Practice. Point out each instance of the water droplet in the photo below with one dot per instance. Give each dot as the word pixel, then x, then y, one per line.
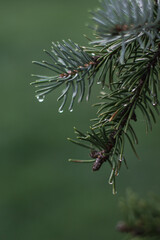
pixel 121 159
pixel 98 82
pixel 71 110
pixel 60 110
pixel 114 192
pixel 154 103
pixel 103 93
pixel 134 89
pixel 40 98
pixel 110 182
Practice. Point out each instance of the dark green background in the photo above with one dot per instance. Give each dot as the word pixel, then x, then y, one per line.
pixel 42 196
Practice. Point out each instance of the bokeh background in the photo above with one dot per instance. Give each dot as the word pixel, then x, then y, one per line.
pixel 42 196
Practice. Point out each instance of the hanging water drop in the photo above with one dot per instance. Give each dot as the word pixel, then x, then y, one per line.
pixel 98 83
pixel 121 158
pixel 110 182
pixel 60 110
pixel 154 103
pixel 71 110
pixel 114 192
pixel 40 98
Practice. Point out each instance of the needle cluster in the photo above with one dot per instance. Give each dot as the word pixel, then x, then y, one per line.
pixel 124 57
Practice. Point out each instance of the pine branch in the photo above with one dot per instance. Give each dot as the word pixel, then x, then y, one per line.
pixel 114 122
pixel 125 60
pixel 141 216
pixel 74 67
pixel 123 22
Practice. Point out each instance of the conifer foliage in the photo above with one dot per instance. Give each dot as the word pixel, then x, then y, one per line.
pixel 124 57
pixel 141 216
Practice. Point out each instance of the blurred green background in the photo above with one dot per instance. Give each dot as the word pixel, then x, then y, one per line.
pixel 42 196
